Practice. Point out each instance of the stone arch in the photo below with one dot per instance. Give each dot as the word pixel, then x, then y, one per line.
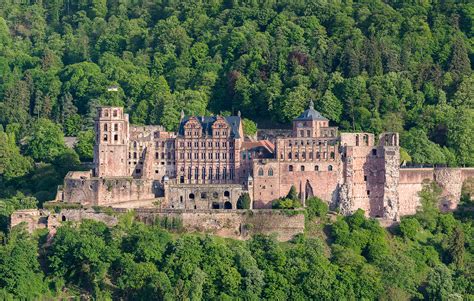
pixel 227 205
pixel 227 193
pixel 191 196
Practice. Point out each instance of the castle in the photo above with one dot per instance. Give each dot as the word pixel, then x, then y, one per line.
pixel 209 163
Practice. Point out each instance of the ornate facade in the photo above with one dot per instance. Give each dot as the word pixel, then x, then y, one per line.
pixel 208 164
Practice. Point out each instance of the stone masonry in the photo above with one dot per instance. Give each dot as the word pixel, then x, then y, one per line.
pixel 209 163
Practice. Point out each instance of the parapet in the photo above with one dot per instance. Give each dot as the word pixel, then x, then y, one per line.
pixel 357 139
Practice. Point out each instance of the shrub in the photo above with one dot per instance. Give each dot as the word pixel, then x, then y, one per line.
pixel 316 207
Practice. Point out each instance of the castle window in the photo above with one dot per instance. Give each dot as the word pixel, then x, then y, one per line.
pixel 115 113
pixel 210 173
pixel 105 137
pixel 217 156
pixel 157 156
pixel 311 155
pixel 181 155
pixel 303 155
pixel 330 167
pixel 260 172
pixel 301 133
pixel 115 127
pixel 203 156
pixel 296 155
pixel 162 155
pixel 134 144
pixel 231 156
pixel 290 168
pixel 224 173
pixel 105 127
pixel 316 168
pixel 231 173
pixel 196 156
pixel 332 155
pixel 365 178
pixel 169 155
pixel 203 195
pixel 308 133
pixel 374 152
pixel 318 155
pixel 196 173
pixel 139 171
pixel 368 192
pixel 115 137
pixel 196 144
pixel 189 144
pixel 218 175
pixel 203 173
pixel 281 156
pixel 366 139
pixel 189 156
pixel 106 113
pixel 302 167
pixel 289 155
pixel 226 193
pixel 270 172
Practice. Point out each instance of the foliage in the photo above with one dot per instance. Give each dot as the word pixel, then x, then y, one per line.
pixel 85 145
pixel 244 201
pixel 45 141
pixel 316 207
pixel 384 65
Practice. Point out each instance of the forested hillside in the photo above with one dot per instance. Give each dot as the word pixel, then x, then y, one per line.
pixel 374 66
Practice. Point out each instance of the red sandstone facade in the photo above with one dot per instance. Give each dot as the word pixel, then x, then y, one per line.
pixel 208 164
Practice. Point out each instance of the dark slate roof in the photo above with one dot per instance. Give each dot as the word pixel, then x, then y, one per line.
pixel 311 114
pixel 208 121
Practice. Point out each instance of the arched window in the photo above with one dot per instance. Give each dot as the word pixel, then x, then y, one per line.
pixel 105 127
pixel 270 172
pixel 290 168
pixel 115 113
pixel 302 167
pixel 289 155
pixel 226 193
pixel 191 196
pixel 316 168
pixel 330 167
pixel 105 137
pixel 260 172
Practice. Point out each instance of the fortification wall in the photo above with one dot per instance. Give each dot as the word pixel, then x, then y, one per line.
pixel 410 183
pixel 237 224
pixel 106 191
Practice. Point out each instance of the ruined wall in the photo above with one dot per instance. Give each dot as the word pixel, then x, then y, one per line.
pixel 33 219
pixel 106 191
pixel 237 224
pixel 449 179
pixel 202 196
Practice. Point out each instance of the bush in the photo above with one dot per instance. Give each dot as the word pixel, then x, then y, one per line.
pixel 316 207
pixel 285 203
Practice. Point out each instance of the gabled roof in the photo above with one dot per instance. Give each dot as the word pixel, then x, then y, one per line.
pixel 311 114
pixel 207 122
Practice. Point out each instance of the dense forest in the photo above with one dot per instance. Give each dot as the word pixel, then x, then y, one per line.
pixel 374 66
pixel 428 256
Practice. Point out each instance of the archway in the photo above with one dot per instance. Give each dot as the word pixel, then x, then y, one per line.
pixel 227 205
pixel 215 205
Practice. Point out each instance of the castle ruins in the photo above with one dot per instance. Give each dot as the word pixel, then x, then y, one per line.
pixel 209 163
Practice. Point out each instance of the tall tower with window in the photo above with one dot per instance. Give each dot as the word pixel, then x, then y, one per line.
pixel 111 142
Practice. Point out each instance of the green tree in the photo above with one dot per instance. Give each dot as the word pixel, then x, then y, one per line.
pixel 12 163
pixel 45 141
pixel 244 201
pixel 84 146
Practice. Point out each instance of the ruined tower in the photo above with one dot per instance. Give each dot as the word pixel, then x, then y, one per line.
pixel 111 142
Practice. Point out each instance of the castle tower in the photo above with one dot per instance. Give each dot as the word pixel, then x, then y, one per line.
pixel 111 142
pixel 309 123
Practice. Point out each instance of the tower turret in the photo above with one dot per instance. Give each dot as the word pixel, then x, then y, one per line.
pixel 111 142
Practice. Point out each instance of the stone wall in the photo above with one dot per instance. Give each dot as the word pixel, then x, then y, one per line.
pixel 237 224
pixel 202 196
